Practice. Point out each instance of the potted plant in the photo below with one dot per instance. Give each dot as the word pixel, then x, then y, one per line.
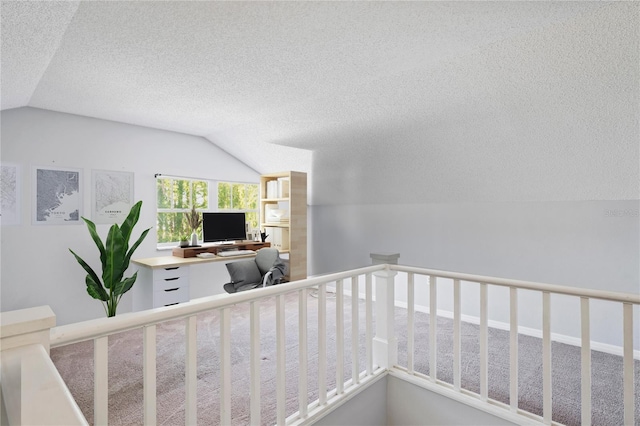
pixel 184 241
pixel 115 255
pixel 194 220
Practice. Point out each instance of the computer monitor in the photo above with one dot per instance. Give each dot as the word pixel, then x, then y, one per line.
pixel 219 226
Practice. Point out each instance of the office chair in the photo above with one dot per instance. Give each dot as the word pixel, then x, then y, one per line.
pixel 265 269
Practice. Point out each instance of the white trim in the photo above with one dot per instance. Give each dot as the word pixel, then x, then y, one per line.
pixel 490 406
pixel 527 331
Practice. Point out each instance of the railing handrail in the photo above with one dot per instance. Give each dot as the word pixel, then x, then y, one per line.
pixel 381 351
pixel 78 332
pixel 526 285
pixel 47 400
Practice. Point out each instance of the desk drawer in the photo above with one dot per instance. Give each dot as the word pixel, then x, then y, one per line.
pixel 170 282
pixel 168 273
pixel 170 296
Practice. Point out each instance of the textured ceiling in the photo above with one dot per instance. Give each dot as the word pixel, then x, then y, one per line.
pixel 381 102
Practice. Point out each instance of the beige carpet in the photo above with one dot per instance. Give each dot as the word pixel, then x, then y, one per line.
pixel 125 368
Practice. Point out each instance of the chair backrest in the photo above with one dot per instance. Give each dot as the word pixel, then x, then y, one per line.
pixel 266 258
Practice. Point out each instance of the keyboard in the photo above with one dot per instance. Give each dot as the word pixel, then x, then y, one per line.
pixel 229 253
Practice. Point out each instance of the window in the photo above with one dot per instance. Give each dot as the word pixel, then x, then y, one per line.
pixel 176 197
pixel 240 197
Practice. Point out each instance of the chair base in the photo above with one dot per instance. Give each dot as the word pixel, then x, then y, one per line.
pixel 229 287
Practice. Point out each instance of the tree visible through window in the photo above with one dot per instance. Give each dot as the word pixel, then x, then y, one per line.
pixel 176 196
pixel 240 197
pixel 175 199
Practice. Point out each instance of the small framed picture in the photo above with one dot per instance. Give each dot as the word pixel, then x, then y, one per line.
pixel 57 196
pixel 11 192
pixel 112 196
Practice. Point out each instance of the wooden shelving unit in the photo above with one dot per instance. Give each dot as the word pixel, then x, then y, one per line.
pixel 283 215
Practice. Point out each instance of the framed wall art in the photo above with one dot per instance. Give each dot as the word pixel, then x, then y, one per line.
pixel 57 196
pixel 10 194
pixel 111 196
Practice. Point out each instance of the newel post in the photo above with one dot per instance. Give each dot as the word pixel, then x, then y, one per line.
pixel 385 343
pixel 26 327
pixel 20 330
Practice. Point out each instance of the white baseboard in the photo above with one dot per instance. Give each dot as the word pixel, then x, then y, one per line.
pixel 527 331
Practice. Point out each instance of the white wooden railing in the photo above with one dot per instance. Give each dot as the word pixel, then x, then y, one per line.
pixel 439 279
pixel 381 351
pixel 99 330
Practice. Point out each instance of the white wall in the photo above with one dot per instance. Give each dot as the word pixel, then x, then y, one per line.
pixel 37 268
pixel 408 404
pixel 368 407
pixel 588 244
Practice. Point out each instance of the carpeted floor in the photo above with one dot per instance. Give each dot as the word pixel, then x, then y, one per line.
pixel 125 367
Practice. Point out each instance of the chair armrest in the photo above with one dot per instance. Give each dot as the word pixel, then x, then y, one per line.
pixel 265 280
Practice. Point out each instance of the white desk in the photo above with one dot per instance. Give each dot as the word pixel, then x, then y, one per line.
pixel 164 280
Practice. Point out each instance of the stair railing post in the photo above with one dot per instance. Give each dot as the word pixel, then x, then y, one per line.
pixel 385 343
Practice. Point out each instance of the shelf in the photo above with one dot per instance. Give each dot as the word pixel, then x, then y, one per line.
pixel 277 224
pixel 290 235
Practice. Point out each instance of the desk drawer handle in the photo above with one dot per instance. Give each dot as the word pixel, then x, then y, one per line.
pixel 172 279
pixel 171 304
pixel 173 289
pixel 171 269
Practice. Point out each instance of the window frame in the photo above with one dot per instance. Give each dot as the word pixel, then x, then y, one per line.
pixel 213 203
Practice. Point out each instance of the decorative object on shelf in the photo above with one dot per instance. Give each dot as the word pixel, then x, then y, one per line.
pixel 194 220
pixel 263 236
pixel 273 213
pixel 115 255
pixel 184 241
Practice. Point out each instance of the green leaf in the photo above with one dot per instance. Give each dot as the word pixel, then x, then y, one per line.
pixel 132 218
pixel 95 289
pixel 86 267
pixel 124 286
pixel 116 250
pixel 96 239
pixel 134 247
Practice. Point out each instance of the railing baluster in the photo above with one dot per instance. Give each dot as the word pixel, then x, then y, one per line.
pixel 585 390
pixel 546 357
pixel 484 342
pixel 339 338
pixel 410 322
pixel 280 361
pixel 457 336
pixel 254 319
pixel 149 374
pixel 355 327
pixel 369 323
pixel 322 344
pixel 225 366
pixel 513 349
pixel 191 377
pixel 303 401
pixel 386 342
pixel 101 380
pixel 433 319
pixel 627 349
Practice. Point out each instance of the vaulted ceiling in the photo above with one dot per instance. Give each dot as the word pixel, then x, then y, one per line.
pixel 380 102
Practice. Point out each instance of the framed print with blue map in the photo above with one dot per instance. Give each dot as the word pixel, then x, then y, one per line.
pixel 10 192
pixel 112 196
pixel 57 196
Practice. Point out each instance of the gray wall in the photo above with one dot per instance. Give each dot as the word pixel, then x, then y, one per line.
pixel 369 407
pixel 570 243
pixel 37 268
pixel 587 244
pixel 408 404
pixel 393 401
